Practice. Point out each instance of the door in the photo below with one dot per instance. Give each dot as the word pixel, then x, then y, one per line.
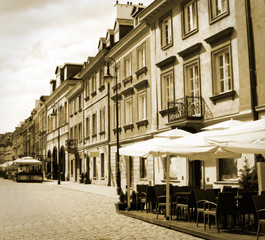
pixel 195 173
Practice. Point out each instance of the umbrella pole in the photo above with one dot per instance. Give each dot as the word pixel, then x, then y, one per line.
pixel 167 188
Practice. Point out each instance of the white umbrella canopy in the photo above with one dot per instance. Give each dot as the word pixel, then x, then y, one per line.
pixel 246 138
pixel 224 125
pixel 143 148
pixel 193 146
pixel 27 160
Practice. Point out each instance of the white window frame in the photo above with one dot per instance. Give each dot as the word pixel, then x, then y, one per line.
pixel 189 16
pixel 142 104
pixel 94 123
pixel 218 9
pixel 128 66
pixel 166 32
pixel 128 113
pixel 168 88
pixel 87 126
pixel 102 119
pixel 222 70
pixel 141 56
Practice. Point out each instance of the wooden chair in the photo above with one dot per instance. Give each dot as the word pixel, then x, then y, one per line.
pixel 259 203
pixel 226 205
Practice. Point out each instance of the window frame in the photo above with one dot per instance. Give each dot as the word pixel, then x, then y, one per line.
pixel 164 98
pixel 187 84
pixel 143 170
pixel 185 32
pixel 215 80
pixel 94 124
pixel 130 120
pixel 231 166
pixel 212 18
pixel 166 44
pixel 139 116
pixel 102 116
pixel 128 66
pixel 142 63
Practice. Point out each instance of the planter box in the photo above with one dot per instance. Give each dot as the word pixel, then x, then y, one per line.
pixel 120 206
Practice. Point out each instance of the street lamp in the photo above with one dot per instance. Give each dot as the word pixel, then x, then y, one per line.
pixel 108 79
pixel 56 114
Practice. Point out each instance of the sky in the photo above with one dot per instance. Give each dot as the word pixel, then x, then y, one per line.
pixel 36 36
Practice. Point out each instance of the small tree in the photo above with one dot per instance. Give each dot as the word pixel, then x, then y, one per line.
pixel 248 177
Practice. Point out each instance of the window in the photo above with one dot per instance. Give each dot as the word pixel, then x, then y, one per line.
pixel 119 115
pixel 88 127
pixel 142 106
pixel 192 79
pixel 79 102
pixel 94 167
pixel 227 169
pixel 218 8
pixel 128 66
pixel 222 71
pixel 189 17
pixel 65 112
pixel 94 124
pixel 172 168
pixel 75 132
pixel 102 119
pixel 168 93
pixel 143 173
pixel 80 132
pixel 166 32
pixel 101 78
pixel 102 157
pixel 128 111
pixel 141 57
pixel 87 90
pixel 94 81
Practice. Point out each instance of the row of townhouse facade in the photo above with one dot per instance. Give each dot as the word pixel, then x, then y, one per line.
pixel 178 64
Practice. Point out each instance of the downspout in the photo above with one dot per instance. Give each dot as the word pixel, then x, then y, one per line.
pixel 252 63
pixel 109 155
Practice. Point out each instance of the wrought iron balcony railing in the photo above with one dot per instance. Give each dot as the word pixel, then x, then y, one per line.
pixel 186 108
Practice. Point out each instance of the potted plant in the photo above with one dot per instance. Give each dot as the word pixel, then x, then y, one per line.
pixel 122 204
pixel 248 177
pixel 81 177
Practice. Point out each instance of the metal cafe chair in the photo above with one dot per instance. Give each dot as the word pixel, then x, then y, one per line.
pixel 259 203
pixel 200 197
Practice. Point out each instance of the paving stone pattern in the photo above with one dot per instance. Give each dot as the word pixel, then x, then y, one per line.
pixel 48 211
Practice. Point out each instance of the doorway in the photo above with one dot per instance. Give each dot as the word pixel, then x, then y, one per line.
pixel 195 173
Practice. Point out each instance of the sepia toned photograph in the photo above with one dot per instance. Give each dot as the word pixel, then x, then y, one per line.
pixel 141 119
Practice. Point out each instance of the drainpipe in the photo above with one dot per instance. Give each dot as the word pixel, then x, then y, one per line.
pixel 252 63
pixel 109 155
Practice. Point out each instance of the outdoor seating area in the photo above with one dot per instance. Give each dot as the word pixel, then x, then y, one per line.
pixel 211 210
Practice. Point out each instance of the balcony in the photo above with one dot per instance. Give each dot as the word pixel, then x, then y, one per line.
pixel 188 108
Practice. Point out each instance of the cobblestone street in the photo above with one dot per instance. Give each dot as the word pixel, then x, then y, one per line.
pixel 49 211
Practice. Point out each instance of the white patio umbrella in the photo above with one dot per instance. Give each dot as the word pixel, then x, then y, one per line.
pixel 245 138
pixel 224 125
pixel 27 160
pixel 194 147
pixel 143 148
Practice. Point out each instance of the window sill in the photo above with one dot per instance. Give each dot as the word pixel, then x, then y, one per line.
pixel 115 130
pixel 166 46
pixel 188 34
pixel 141 71
pixel 87 98
pixel 95 178
pixel 87 138
pixel 128 92
pixel 94 135
pixel 171 180
pixel 75 113
pixel 227 182
pixel 101 88
pixel 102 178
pixel 219 17
pixel 142 123
pixel 144 179
pixel 128 127
pixel 141 85
pixel 164 112
pixel 102 133
pixel 71 115
pixel 127 80
pixel 116 87
pixel 216 98
pixel 93 94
